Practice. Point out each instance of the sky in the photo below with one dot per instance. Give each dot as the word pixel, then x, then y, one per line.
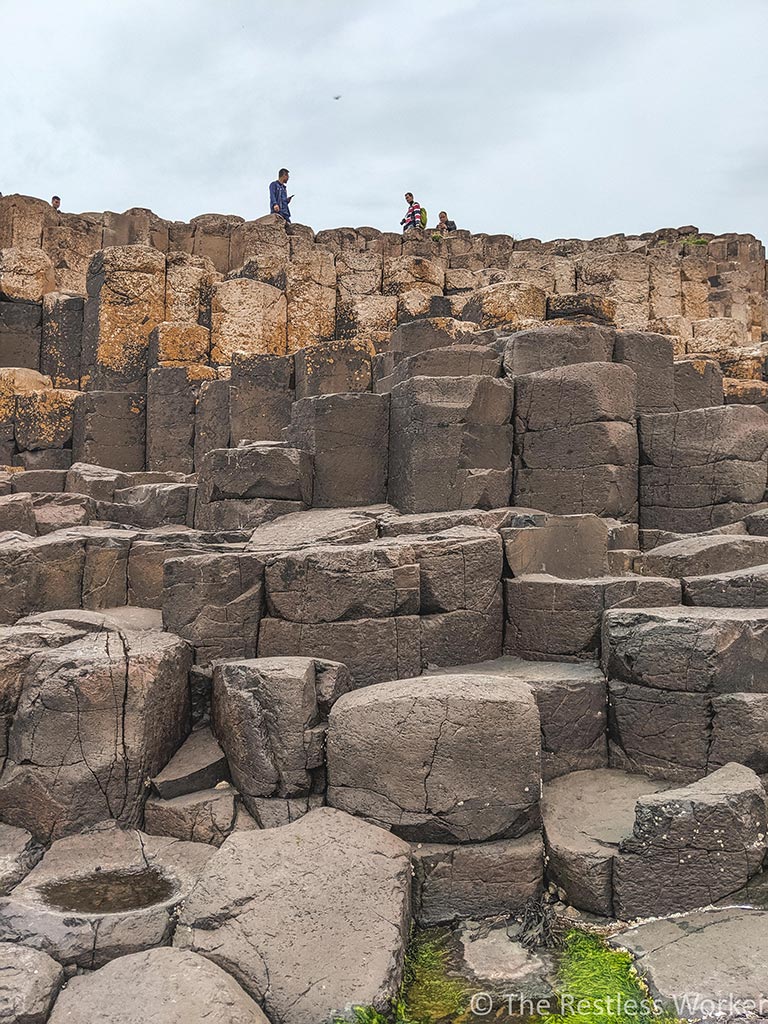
pixel 543 118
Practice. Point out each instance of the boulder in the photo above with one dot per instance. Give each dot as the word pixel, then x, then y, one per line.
pixel 62 339
pixel 328 583
pixel 373 650
pixel 743 588
pixel 475 879
pixel 450 444
pixel 199 763
pixel 176 986
pixel 331 940
pixel 270 716
pixel 204 816
pixel 211 418
pixel 663 733
pixel 693 650
pixel 701 556
pixel 575 440
pixel 572 703
pixel 549 618
pixel 698 383
pixel 261 393
pixel 21 334
pixel 31 982
pixel 692 847
pixel 651 356
pixel 246 316
pixel 214 601
pixel 95 717
pixel 317 526
pixel 102 894
pixel 549 346
pixel 586 815
pixel 569 547
pixel 26 274
pixel 739 730
pixel 109 429
pixel 333 367
pixel 702 468
pixel 347 436
pixel 429 757
pixel 17 514
pixel 508 304
pixel 126 301
pixel 265 470
pixel 39 574
pixel 18 855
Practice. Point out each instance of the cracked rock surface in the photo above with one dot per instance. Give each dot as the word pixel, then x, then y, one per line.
pixel 175 986
pixel 321 926
pixel 438 759
pixel 102 894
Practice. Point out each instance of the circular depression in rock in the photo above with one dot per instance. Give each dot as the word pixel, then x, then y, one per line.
pixel 109 892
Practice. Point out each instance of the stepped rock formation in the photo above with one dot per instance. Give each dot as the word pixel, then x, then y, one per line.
pixel 351 580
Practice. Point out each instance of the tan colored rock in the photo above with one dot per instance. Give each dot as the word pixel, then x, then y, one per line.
pixel 678 327
pixel 18 381
pixel 212 237
pixel 21 221
pixel 189 281
pixel 311 300
pixel 402 273
pixel 545 270
pixel 258 237
pixel 126 301
pixel 623 277
pixel 364 316
pixel 44 419
pixel 717 333
pixel 246 316
pixel 26 274
pixel 179 343
pixel 358 273
pixel 745 392
pixel 507 304
pixel 70 240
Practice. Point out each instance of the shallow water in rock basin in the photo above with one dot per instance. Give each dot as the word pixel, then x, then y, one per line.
pixel 109 892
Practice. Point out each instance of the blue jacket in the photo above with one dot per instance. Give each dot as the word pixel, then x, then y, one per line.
pixel 278 196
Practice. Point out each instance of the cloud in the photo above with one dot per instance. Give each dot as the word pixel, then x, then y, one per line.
pixel 553 118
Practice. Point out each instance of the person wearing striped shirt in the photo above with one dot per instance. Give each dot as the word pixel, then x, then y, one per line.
pixel 412 219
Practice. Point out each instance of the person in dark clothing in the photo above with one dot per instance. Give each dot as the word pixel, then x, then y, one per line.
pixel 412 219
pixel 278 196
pixel 443 224
pixel 55 202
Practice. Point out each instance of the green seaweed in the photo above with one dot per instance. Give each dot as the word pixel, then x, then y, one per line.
pixel 428 994
pixel 600 985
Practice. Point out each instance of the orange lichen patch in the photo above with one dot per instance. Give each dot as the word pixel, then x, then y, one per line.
pixel 179 343
pixel 18 381
pixel 246 316
pixel 198 372
pixel 746 392
pixel 44 418
pixel 131 303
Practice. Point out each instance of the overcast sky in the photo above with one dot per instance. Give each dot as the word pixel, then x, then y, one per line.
pixel 551 118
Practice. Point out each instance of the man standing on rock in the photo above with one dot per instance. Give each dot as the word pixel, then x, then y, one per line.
pixel 412 219
pixel 278 196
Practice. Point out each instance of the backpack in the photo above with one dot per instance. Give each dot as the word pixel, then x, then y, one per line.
pixel 423 216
